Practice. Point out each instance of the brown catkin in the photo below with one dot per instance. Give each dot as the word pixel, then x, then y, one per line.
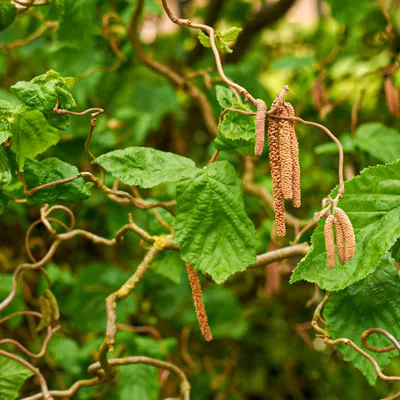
pixel 349 236
pixel 294 147
pixel 392 96
pixel 285 155
pixel 198 302
pixel 329 241
pixel 260 126
pixel 340 241
pixel 273 142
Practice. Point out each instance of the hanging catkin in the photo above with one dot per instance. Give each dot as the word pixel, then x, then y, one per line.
pixel 285 154
pixel 294 147
pixel 348 231
pixel 198 302
pixel 329 241
pixel 260 126
pixel 340 241
pixel 273 142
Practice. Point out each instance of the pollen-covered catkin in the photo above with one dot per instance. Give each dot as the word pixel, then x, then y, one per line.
pixel 273 142
pixel 329 241
pixel 260 126
pixel 294 147
pixel 349 236
pixel 340 241
pixel 285 154
pixel 198 302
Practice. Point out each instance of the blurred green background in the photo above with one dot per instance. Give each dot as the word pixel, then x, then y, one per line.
pixel 334 56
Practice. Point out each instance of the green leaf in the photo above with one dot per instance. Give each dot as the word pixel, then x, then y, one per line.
pixel 349 12
pixel 138 382
pixel 5 132
pixel 12 377
pixel 379 140
pixel 145 167
pixel 347 141
pixel 231 34
pixel 150 347
pixel 225 97
pixel 224 48
pixel 66 354
pixel 37 173
pixel 372 202
pixel 8 12
pixel 42 97
pixel 236 132
pixel 169 265
pixel 212 227
pixel 203 38
pixel 32 135
pixel 85 304
pixel 370 303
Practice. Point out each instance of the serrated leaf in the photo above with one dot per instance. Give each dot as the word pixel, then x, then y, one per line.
pixel 372 202
pixel 169 265
pixel 225 97
pixel 5 132
pixel 145 167
pixel 8 12
pixel 138 381
pixel 32 135
pixel 212 227
pixel 231 34
pixel 42 97
pixel 203 38
pixel 12 377
pixel 379 140
pixel 236 132
pixel 37 173
pixel 370 303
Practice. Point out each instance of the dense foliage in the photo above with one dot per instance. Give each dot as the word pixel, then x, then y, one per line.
pixel 121 109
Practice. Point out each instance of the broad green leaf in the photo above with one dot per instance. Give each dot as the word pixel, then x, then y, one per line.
pixel 347 141
pixel 37 173
pixel 349 12
pixel 225 97
pixel 169 265
pixel 150 347
pixel 76 27
pixel 203 38
pixel 4 164
pixel 6 108
pixel 66 354
pixel 236 132
pixel 379 140
pixel 5 132
pixel 32 135
pixel 370 303
pixel 145 167
pixel 372 202
pixel 85 303
pixel 42 97
pixel 231 34
pixel 212 228
pixel 8 12
pixel 12 377
pixel 138 381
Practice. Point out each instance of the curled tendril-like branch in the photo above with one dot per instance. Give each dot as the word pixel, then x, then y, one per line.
pixel 317 319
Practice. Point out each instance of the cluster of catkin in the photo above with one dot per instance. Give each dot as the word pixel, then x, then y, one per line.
pixel 284 161
pixel 345 238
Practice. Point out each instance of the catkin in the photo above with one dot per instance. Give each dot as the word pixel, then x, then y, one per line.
pixel 329 241
pixel 285 154
pixel 340 241
pixel 260 126
pixel 294 147
pixel 273 142
pixel 198 302
pixel 348 231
